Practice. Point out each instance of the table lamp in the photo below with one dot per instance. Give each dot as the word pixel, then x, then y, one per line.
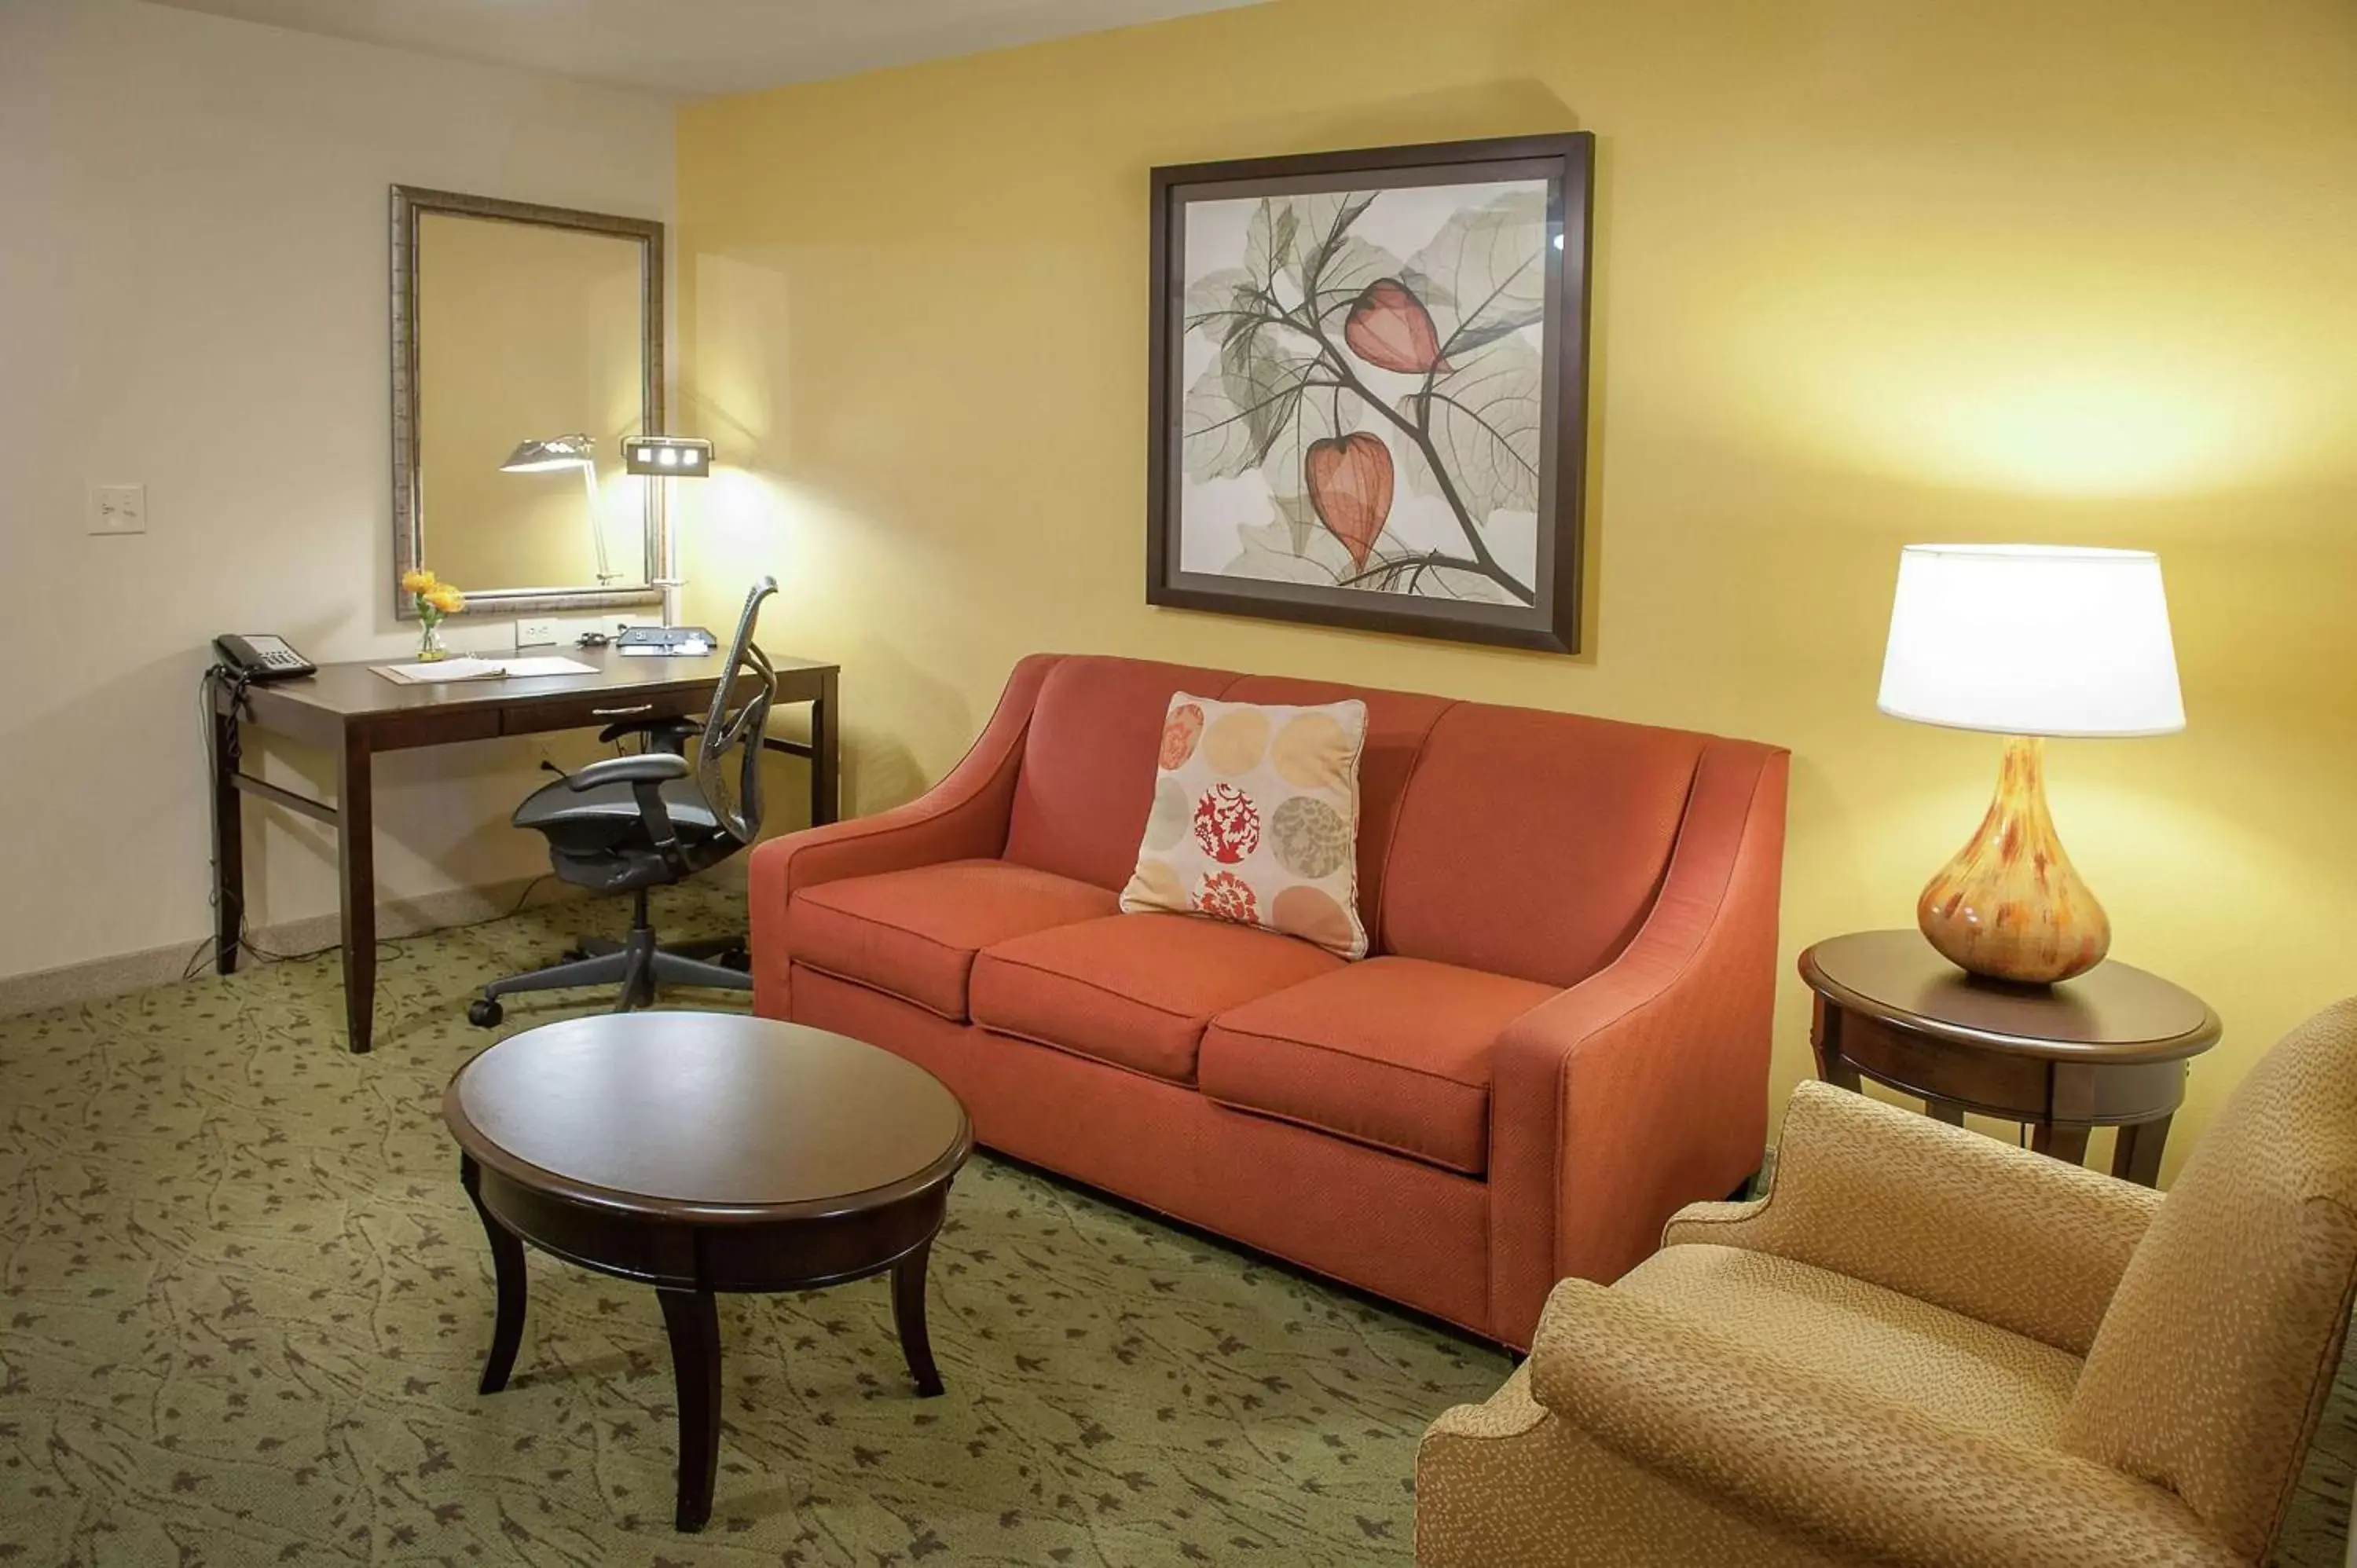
pixel 573 451
pixel 2026 642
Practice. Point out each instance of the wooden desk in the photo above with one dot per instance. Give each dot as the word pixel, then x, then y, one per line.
pixel 354 713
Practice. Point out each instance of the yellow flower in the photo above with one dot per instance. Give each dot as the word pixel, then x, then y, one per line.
pixel 445 598
pixel 416 581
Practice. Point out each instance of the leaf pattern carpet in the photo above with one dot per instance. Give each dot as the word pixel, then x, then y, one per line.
pixel 244 1303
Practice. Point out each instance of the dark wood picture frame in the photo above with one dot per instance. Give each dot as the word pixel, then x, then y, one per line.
pixel 1549 618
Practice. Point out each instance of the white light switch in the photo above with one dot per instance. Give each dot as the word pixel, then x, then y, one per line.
pixel 116 509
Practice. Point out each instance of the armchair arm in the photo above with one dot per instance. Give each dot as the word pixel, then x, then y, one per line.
pixel 642 768
pixel 1644 1086
pixel 964 817
pixel 646 773
pixel 2014 1238
pixel 1888 1483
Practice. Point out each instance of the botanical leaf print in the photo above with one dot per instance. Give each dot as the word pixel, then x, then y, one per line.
pixel 1486 270
pixel 1482 417
pixel 1351 489
pixel 1335 363
pixel 1268 240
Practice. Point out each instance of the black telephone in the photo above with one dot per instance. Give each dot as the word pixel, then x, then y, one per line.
pixel 262 657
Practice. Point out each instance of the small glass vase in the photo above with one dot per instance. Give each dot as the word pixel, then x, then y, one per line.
pixel 429 643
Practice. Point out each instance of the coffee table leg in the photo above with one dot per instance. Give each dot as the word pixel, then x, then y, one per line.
pixel 909 1314
pixel 693 1324
pixel 507 1269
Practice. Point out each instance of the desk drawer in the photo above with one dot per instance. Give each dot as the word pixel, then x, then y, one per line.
pixel 595 709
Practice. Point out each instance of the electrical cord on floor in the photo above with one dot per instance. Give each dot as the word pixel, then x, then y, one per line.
pixel 225 753
pixel 211 702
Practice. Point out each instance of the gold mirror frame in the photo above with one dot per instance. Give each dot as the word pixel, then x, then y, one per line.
pixel 411 203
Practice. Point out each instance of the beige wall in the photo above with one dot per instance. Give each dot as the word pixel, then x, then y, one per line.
pixel 193 275
pixel 2057 270
pixel 525 332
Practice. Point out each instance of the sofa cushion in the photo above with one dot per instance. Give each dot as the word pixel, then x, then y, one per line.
pixel 1088 764
pixel 914 933
pixel 1533 844
pixel 1134 990
pixel 1392 1052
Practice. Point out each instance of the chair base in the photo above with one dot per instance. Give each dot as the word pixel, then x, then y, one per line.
pixel 637 967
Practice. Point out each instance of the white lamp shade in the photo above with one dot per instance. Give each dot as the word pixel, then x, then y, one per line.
pixel 2031 640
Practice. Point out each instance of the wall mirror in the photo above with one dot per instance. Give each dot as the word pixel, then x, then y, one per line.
pixel 527 344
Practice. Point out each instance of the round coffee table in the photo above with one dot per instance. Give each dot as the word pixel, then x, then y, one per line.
pixel 2105 1050
pixel 699 1152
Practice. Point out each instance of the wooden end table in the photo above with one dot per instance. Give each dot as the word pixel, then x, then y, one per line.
pixel 2106 1049
pixel 700 1153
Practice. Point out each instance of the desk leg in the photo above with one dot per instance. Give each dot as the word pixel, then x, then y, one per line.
pixel 825 754
pixel 356 878
pixel 229 846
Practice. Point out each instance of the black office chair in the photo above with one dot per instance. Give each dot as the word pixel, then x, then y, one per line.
pixel 632 823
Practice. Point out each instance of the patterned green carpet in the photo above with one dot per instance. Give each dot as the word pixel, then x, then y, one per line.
pixel 242 1304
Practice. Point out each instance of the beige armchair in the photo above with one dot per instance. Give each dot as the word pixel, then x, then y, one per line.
pixel 1925 1346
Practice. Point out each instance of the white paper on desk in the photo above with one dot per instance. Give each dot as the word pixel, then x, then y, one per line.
pixel 657 651
pixel 435 672
pixel 548 664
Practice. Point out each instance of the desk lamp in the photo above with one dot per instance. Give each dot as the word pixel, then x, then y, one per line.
pixel 2026 642
pixel 668 456
pixel 575 451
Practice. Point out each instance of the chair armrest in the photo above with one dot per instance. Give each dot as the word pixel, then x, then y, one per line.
pixel 964 817
pixel 642 768
pixel 1644 1086
pixel 2014 1238
pixel 1884 1482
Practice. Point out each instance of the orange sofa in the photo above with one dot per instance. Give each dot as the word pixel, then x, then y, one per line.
pixel 1560 1037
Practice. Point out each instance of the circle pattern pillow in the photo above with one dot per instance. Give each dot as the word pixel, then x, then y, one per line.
pixel 1256 819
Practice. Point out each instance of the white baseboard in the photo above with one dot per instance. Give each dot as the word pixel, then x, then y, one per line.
pixel 101 978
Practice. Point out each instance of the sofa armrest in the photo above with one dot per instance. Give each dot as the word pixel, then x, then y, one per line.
pixel 964 817
pixel 1882 1481
pixel 1644 1086
pixel 2012 1238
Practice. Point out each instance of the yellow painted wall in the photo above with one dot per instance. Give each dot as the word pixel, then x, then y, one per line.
pixel 1866 272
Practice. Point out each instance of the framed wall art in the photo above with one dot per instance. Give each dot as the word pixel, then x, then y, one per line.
pixel 1369 398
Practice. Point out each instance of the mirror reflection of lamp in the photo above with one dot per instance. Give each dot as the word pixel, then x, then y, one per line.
pixel 575 451
pixel 668 456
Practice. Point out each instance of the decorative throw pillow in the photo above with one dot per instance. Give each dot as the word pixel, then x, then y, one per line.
pixel 1256 819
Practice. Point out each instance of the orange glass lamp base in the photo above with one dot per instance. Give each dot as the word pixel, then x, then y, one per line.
pixel 2010 905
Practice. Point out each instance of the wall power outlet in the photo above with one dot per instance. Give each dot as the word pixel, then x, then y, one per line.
pixel 116 509
pixel 535 633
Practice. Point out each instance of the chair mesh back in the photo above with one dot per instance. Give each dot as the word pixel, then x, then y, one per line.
pixel 728 765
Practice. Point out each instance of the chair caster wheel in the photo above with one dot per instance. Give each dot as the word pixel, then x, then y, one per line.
pixel 736 959
pixel 485 1012
pixel 573 955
